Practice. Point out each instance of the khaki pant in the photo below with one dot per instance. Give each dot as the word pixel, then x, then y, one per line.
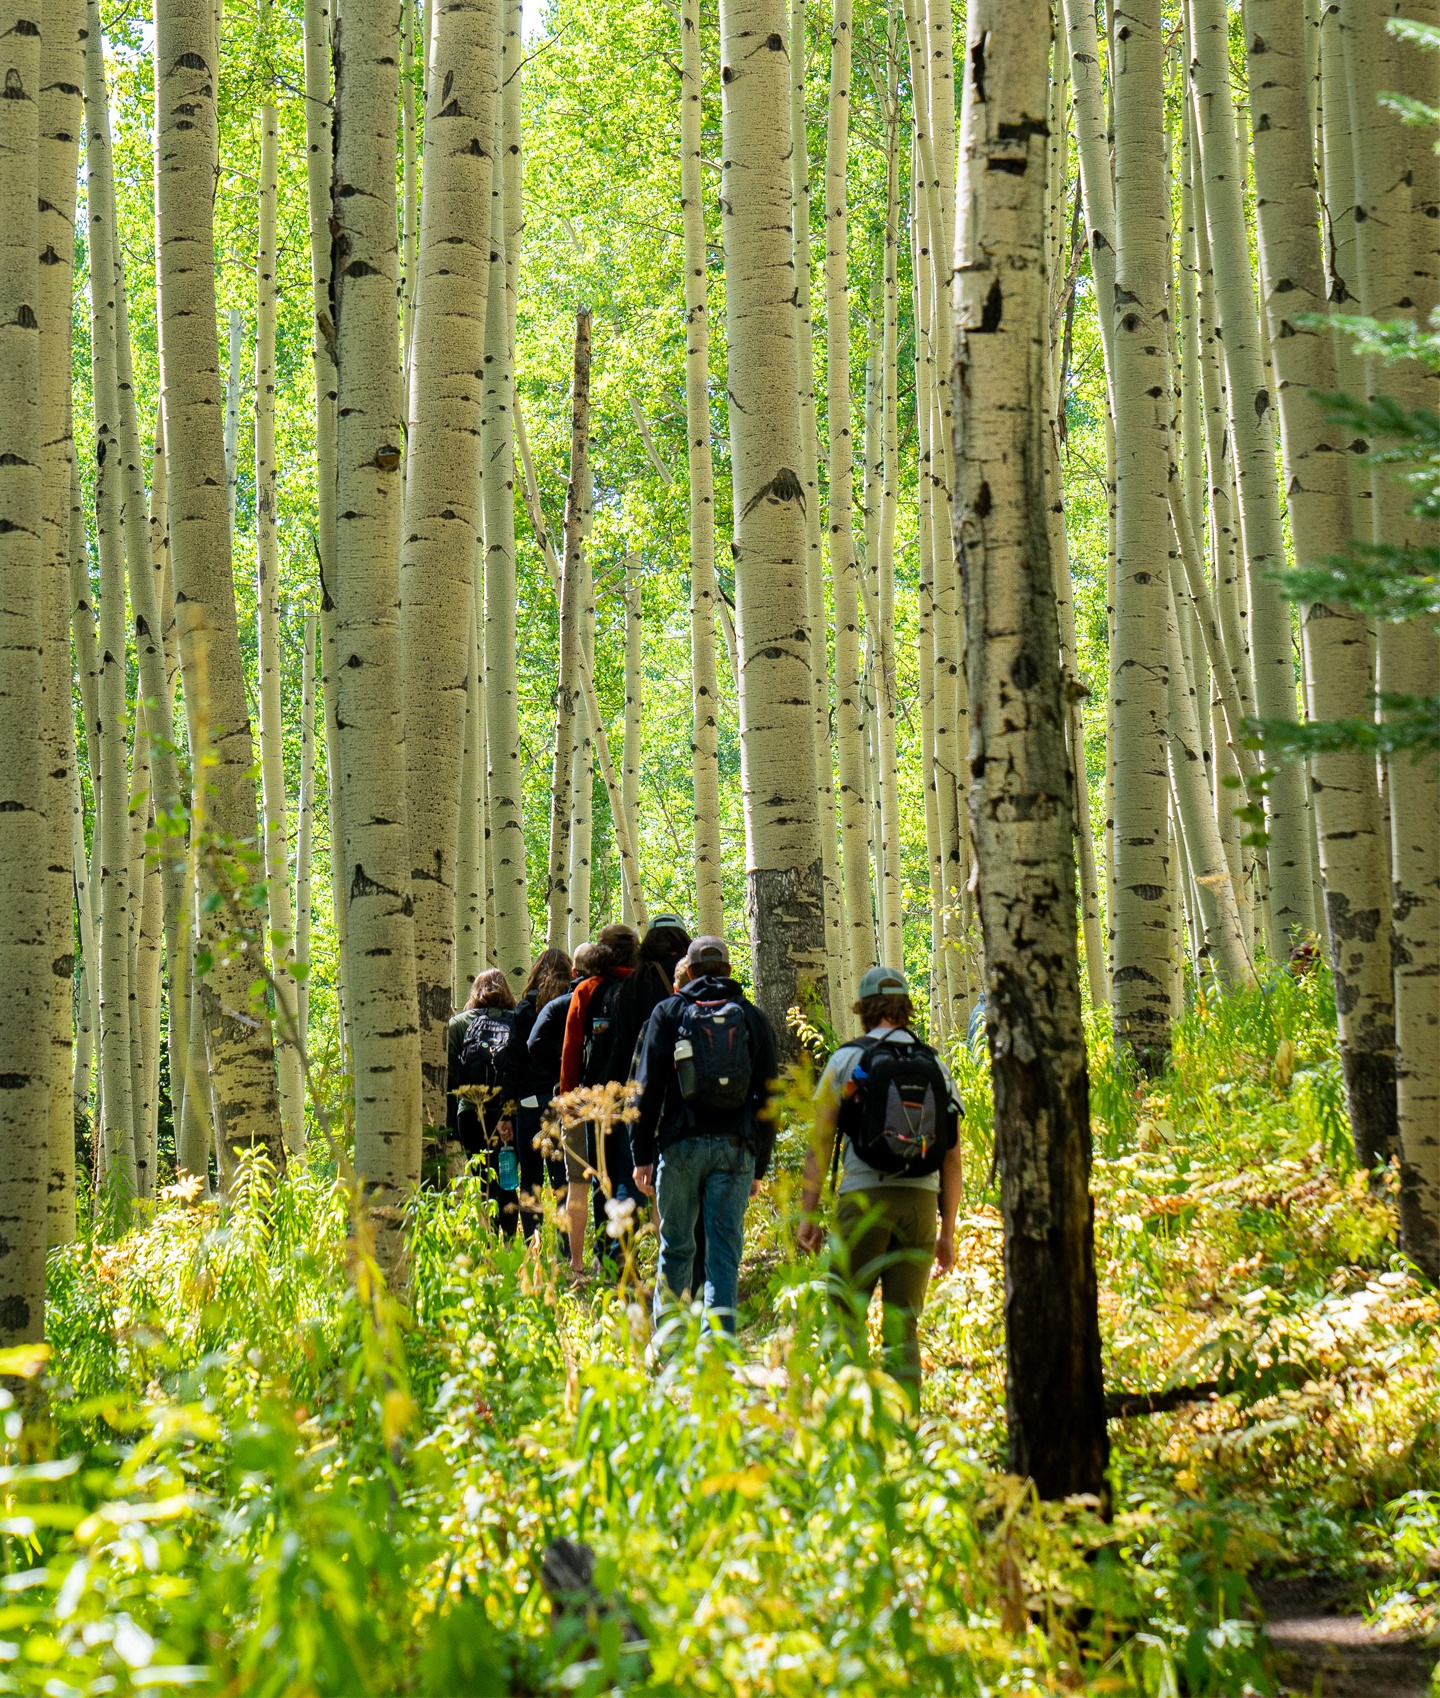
pixel 887 1238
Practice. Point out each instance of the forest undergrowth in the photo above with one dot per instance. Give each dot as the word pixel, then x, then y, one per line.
pixel 244 1466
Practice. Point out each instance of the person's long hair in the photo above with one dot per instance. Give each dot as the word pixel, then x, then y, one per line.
pixel 622 943
pixel 490 990
pixel 664 944
pixel 549 977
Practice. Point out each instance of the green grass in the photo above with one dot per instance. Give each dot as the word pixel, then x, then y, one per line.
pixel 256 1471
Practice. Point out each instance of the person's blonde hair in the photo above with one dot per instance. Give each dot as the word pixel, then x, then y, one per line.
pixel 490 990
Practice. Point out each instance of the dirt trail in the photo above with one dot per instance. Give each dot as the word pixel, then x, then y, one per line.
pixel 1323 1652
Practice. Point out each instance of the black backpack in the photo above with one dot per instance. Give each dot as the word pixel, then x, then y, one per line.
pixel 486 1039
pixel 715 1073
pixel 601 1016
pixel 896 1108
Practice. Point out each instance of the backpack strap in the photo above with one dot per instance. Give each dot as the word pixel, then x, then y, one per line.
pixel 864 1045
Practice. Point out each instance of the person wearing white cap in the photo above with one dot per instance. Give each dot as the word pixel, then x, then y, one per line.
pixel 890 1102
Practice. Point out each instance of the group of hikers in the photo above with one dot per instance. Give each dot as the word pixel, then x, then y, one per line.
pixel 666 1016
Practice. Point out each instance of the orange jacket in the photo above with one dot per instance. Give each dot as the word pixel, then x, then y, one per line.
pixel 577 1026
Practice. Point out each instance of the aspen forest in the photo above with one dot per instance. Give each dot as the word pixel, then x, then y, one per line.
pixel 919 516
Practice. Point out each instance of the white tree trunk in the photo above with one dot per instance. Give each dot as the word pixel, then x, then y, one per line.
pixel 810 477
pixel 704 593
pixel 318 151
pixel 509 938
pixel 562 793
pixel 443 497
pixel 305 826
pixel 271 658
pixel 1140 918
pixel 380 928
pixel 117 1137
pixel 1019 794
pixel 241 1055
pixel 1252 436
pixel 634 710
pixel 1395 185
pixel 1354 858
pixel 844 570
pixel 785 894
pixel 62 61
pixel 26 953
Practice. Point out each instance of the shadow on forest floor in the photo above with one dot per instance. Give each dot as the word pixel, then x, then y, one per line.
pixel 1323 1650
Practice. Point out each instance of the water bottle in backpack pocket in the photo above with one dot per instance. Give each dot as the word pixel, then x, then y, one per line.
pixel 896 1109
pixel 713 1064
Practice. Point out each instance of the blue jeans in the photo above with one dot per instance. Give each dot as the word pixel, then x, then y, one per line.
pixel 705 1179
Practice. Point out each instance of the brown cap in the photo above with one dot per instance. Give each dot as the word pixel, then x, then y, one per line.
pixel 708 955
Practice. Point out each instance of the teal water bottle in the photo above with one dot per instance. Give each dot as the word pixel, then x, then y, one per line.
pixel 509 1171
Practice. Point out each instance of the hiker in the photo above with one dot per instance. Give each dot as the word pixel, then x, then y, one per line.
pixel 701 1146
pixel 891 1102
pixel 478 1041
pixel 590 1031
pixel 662 971
pixel 545 1047
pixel 662 950
pixel 533 1083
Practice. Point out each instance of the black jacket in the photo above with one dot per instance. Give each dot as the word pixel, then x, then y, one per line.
pixel 545 1041
pixel 525 1076
pixel 664 1117
pixel 648 986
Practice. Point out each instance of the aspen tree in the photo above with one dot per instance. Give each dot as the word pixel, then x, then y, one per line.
pixel 1252 433
pixel 785 894
pixel 582 753
pixel 241 1061
pixel 940 1002
pixel 409 194
pixel 117 1145
pixel 318 151
pixel 634 709
pixel 1219 937
pixel 1409 659
pixel 704 592
pixel 1395 186
pixel 1140 915
pixel 443 514
pixel 470 939
pixel 881 562
pixel 380 929
pixel 1229 658
pixel 232 409
pixel 582 790
pixel 1019 807
pixel 629 863
pixel 146 968
pixel 178 949
pixel 271 660
pixel 557 896
pixel 844 571
pixel 83 627
pixel 510 937
pixel 26 944
pixel 305 824
pixel 87 1010
pixel 1342 276
pixel 156 721
pixel 59 116
pixel 1353 854
pixel 810 477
